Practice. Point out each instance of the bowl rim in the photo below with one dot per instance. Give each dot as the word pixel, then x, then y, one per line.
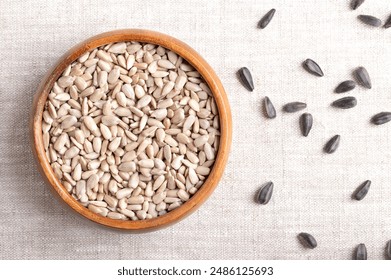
pixel 193 58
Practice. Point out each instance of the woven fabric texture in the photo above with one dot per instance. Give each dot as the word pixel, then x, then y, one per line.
pixel 312 190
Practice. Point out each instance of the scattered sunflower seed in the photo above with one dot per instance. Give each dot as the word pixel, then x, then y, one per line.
pixel 269 108
pixel 266 19
pixel 388 22
pixel 306 121
pixel 307 240
pixel 381 118
pixel 246 78
pixel 345 86
pixel 362 190
pixel 294 107
pixel 370 20
pixel 345 102
pixel 362 77
pixel 265 193
pixel 361 252
pixel 356 3
pixel 312 67
pixel 332 145
pixel 388 249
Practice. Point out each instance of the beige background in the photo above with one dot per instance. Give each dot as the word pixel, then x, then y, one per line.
pixel 312 190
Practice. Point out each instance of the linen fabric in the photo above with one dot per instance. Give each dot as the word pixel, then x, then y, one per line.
pixel 312 190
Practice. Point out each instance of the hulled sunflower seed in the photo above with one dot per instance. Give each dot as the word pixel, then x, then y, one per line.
pixel 306 121
pixel 362 190
pixel 307 240
pixel 370 20
pixel 68 122
pixel 266 19
pixel 388 250
pixel 354 4
pixel 265 193
pixel 332 145
pixel 312 67
pixel 345 102
pixel 362 77
pixel 127 123
pixel 361 252
pixel 118 47
pixel 246 78
pixel 294 107
pixel 269 108
pixel 381 118
pixel 388 22
pixel 345 86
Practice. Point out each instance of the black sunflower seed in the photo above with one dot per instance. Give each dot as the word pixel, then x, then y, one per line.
pixel 269 108
pixel 332 145
pixel 362 190
pixel 345 102
pixel 312 67
pixel 294 107
pixel 388 22
pixel 306 121
pixel 345 86
pixel 370 20
pixel 388 250
pixel 356 3
pixel 246 78
pixel 266 19
pixel 381 118
pixel 361 252
pixel 265 193
pixel 362 77
pixel 307 240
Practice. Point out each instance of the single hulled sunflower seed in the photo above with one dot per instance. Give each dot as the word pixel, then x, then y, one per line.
pixel 332 145
pixel 269 108
pixel 345 102
pixel 356 3
pixel 306 121
pixel 345 86
pixel 361 252
pixel 246 78
pixel 362 77
pixel 388 22
pixel 307 240
pixel 381 118
pixel 294 107
pixel 312 67
pixel 388 249
pixel 265 193
pixel 362 190
pixel 266 19
pixel 370 20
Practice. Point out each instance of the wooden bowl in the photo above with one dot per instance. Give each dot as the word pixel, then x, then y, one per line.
pixel 210 78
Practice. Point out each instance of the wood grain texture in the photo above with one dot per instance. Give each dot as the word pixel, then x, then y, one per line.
pixel 198 63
